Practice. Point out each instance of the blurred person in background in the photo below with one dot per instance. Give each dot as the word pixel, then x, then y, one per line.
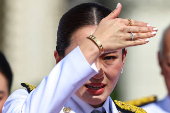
pixel 5 80
pixel 163 106
pixel 90 56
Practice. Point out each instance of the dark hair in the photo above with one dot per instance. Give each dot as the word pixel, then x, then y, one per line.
pixel 6 70
pixel 77 17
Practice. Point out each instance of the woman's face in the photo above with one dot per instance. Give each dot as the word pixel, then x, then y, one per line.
pixel 4 93
pixel 96 90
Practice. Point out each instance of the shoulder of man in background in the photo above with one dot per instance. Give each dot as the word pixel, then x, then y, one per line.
pixel 151 105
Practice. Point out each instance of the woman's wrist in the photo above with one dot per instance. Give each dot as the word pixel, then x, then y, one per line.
pixel 90 50
pixel 97 42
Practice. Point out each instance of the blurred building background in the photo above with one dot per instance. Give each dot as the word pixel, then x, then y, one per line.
pixel 28 38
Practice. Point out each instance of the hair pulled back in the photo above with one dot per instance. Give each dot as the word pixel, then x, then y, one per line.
pixel 77 17
pixel 6 70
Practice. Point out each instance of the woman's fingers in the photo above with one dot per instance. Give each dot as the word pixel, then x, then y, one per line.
pixel 136 29
pixel 137 36
pixel 131 22
pixel 135 32
pixel 114 14
pixel 137 42
pixel 118 33
pixel 135 23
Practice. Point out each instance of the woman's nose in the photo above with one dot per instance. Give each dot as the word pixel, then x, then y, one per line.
pixel 101 73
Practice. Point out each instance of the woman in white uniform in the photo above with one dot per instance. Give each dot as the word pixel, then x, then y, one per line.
pixel 90 56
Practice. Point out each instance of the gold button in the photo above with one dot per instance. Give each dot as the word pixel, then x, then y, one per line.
pixel 66 109
pixel 120 112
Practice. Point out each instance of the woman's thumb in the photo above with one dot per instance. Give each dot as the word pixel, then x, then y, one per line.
pixel 114 14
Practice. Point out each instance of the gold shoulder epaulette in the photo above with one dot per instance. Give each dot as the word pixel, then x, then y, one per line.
pixel 127 107
pixel 142 101
pixel 28 87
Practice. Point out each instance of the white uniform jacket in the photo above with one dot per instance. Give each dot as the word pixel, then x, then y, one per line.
pixel 55 90
pixel 162 106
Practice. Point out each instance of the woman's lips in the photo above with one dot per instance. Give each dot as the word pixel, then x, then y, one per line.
pixel 95 88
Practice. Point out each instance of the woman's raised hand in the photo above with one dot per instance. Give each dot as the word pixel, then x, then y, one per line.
pixel 116 33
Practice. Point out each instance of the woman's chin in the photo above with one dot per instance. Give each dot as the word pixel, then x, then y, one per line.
pixel 96 101
pixel 96 104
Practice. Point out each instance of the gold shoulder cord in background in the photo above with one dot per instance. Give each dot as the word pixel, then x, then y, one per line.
pixel 28 87
pixel 129 107
pixel 142 101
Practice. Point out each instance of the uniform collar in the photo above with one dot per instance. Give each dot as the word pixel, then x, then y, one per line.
pixel 164 104
pixel 86 107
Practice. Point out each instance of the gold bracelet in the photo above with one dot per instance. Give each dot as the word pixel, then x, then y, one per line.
pixel 97 42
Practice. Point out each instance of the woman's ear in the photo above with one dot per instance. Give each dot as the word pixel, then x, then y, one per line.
pixel 124 56
pixel 159 59
pixel 57 57
pixel 160 62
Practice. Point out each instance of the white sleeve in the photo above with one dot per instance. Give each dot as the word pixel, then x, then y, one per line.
pixel 55 89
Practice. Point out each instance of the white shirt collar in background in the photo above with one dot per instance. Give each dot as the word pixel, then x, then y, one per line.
pixel 165 104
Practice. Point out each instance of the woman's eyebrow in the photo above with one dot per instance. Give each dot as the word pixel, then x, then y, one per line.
pixel 110 52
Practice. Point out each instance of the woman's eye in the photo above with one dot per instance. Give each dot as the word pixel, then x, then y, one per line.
pixel 109 57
